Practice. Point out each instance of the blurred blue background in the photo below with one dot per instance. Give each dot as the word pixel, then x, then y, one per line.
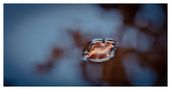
pixel 43 44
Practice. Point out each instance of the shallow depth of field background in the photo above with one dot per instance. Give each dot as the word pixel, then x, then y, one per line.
pixel 43 44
